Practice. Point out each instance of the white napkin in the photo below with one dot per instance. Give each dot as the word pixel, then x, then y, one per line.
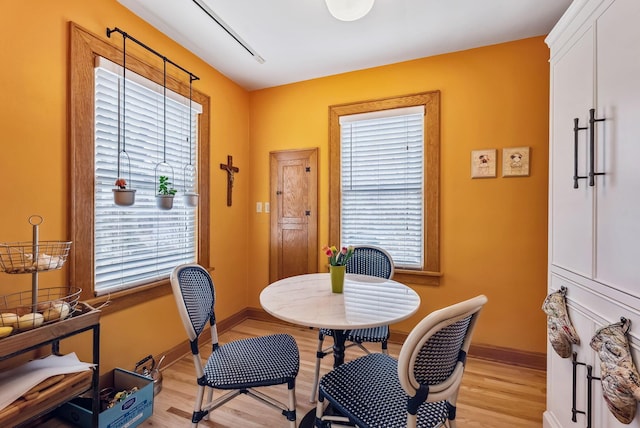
pixel 18 380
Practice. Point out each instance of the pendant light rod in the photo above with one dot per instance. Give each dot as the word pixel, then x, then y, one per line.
pixel 164 58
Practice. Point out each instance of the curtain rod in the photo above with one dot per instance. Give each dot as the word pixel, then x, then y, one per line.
pixel 192 76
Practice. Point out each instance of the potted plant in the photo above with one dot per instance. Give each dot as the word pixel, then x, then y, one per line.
pixel 166 192
pixel 121 195
pixel 338 265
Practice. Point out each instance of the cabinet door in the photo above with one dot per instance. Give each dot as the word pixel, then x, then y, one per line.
pixel 602 416
pixel 618 142
pixel 571 220
pixel 560 373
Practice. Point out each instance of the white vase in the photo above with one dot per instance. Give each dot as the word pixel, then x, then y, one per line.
pixel 124 197
pixel 164 202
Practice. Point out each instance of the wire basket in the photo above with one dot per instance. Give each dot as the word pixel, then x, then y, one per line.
pixel 54 304
pixel 27 257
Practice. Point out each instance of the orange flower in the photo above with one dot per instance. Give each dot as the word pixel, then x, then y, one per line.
pixel 121 183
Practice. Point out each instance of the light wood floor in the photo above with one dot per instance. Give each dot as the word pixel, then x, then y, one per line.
pixel 492 395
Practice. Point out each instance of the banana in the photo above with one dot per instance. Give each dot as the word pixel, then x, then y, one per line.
pixel 5 331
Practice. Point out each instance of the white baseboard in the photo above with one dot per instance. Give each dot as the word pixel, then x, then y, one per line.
pixel 549 420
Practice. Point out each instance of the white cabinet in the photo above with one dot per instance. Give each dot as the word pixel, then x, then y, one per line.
pixel 595 64
pixel 594 228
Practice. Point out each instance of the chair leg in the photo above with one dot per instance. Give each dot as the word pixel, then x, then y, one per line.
pixel 197 408
pixel 209 399
pixel 319 412
pixel 292 403
pixel 412 421
pixel 385 350
pixel 316 375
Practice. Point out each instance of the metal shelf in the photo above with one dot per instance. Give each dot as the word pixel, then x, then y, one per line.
pixel 84 319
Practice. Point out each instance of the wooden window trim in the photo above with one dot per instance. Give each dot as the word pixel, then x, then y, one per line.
pixel 84 48
pixel 430 274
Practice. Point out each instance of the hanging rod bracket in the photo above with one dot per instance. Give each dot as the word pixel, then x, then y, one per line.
pixel 192 76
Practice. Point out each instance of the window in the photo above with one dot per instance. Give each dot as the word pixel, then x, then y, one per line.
pixel 387 191
pixel 382 182
pixel 137 245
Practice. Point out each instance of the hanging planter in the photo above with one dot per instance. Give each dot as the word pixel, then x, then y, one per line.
pixel 123 197
pixel 190 196
pixel 191 199
pixel 164 202
pixel 166 193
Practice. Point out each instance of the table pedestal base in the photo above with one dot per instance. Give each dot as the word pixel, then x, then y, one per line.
pixel 309 420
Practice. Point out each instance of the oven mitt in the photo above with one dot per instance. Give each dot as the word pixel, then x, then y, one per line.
pixel 619 377
pixel 559 328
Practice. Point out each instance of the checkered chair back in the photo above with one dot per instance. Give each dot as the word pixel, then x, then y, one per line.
pixel 195 297
pixel 370 260
pixel 435 351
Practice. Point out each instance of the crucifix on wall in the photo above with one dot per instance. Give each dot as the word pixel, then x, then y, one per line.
pixel 231 170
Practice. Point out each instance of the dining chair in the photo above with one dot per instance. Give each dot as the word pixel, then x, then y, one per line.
pixel 419 389
pixel 238 367
pixel 366 260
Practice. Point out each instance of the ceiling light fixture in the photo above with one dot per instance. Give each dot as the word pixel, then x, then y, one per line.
pixel 229 31
pixel 349 10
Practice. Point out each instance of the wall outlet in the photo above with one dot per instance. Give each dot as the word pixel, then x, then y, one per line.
pixel 258 207
pixel 267 207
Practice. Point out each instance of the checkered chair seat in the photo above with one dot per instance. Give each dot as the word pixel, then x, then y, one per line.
pixel 368 392
pixel 360 335
pixel 253 362
pixel 419 389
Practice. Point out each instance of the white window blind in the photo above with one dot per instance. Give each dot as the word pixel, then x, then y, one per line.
pixel 139 244
pixel 382 179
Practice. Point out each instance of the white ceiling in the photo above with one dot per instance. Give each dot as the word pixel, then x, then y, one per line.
pixel 300 40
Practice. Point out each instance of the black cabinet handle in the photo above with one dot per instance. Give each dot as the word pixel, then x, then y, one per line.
pixel 576 128
pixel 592 160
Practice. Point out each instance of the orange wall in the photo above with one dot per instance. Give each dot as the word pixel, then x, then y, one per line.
pixel 493 231
pixel 34 161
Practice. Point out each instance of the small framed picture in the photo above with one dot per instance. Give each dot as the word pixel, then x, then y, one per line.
pixel 515 162
pixel 483 163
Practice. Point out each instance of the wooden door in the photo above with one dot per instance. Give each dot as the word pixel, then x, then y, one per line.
pixel 294 213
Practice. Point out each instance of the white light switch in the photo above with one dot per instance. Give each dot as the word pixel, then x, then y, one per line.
pixel 258 207
pixel 267 207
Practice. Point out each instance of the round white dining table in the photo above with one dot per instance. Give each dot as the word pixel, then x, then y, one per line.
pixel 367 301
